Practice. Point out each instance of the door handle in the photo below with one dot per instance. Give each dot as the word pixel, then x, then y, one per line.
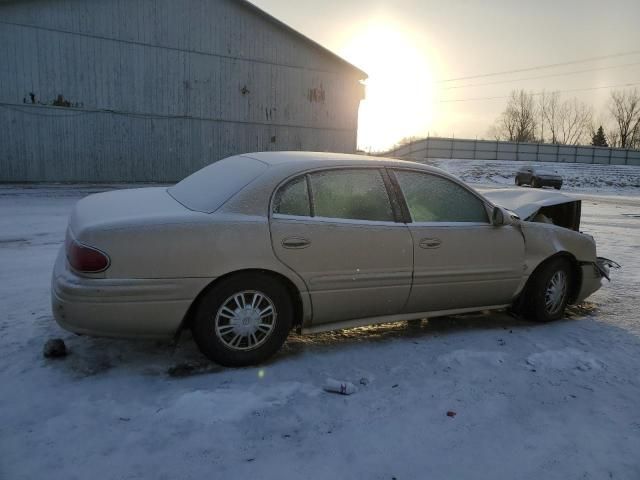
pixel 430 243
pixel 295 242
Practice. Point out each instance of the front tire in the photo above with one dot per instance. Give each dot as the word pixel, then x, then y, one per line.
pixel 547 293
pixel 243 320
pixel 535 183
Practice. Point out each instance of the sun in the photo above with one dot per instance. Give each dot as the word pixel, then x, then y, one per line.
pixel 399 90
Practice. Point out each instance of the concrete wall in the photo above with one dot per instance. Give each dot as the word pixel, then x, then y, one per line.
pixel 526 152
pixel 151 90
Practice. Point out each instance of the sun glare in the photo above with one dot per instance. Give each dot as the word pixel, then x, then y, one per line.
pixel 399 90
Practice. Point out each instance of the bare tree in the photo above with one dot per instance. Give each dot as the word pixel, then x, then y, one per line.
pixel 624 106
pixel 614 138
pixel 567 122
pixel 549 107
pixel 517 123
pixel 575 122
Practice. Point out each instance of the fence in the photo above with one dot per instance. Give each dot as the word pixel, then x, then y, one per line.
pixel 437 147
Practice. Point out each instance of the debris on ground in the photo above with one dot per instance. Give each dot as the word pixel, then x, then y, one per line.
pixel 55 348
pixel 451 413
pixel 343 388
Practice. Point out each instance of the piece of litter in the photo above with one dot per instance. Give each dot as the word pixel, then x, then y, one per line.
pixel 343 388
pixel 451 413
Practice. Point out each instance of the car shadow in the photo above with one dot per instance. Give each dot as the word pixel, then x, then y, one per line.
pixel 423 329
pixel 90 356
pixel 384 332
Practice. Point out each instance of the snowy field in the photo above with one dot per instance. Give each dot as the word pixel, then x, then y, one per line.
pixel 578 177
pixel 554 401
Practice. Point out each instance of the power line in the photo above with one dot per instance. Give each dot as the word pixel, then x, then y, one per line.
pixel 540 93
pixel 540 67
pixel 167 47
pixel 40 111
pixel 541 76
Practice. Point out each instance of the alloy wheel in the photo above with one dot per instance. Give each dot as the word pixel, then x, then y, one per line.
pixel 556 292
pixel 245 320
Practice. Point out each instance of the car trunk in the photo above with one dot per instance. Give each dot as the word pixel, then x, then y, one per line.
pixel 143 231
pixel 122 208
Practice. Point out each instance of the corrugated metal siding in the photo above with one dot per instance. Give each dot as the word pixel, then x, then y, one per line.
pixel 436 147
pixel 160 88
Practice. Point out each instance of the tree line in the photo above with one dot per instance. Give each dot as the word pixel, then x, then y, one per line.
pixel 548 118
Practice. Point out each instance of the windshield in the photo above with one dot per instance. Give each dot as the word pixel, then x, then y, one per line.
pixel 209 188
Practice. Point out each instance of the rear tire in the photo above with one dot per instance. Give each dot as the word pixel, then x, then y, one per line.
pixel 518 182
pixel 547 292
pixel 243 320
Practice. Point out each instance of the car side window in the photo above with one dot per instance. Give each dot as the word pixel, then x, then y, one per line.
pixel 351 194
pixel 293 198
pixel 431 198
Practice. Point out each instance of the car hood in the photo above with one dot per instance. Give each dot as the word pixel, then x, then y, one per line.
pixel 527 203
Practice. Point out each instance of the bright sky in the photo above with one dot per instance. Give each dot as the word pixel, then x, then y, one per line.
pixel 409 46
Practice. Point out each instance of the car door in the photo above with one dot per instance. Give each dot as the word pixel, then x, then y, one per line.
pixel 460 259
pixel 526 175
pixel 340 232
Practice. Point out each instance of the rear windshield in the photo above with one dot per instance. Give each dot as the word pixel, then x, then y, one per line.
pixel 209 188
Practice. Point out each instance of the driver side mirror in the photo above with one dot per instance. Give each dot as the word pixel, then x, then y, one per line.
pixel 498 217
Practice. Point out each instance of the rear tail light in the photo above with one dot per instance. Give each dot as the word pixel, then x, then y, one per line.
pixel 84 258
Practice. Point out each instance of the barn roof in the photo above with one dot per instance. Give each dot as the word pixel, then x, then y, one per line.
pixel 304 38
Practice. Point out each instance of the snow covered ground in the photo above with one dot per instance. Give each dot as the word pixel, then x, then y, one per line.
pixel 554 401
pixel 578 177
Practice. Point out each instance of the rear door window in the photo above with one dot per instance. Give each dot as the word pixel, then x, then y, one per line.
pixel 209 188
pixel 358 194
pixel 293 199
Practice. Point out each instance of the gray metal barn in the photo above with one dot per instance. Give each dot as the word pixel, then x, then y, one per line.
pixel 151 90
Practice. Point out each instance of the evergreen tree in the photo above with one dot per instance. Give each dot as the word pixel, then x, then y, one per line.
pixel 599 139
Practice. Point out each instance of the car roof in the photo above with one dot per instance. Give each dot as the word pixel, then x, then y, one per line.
pixel 305 160
pixel 285 166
